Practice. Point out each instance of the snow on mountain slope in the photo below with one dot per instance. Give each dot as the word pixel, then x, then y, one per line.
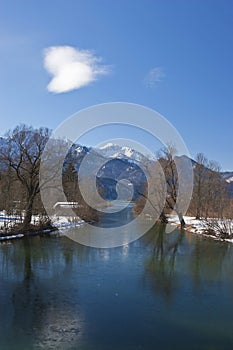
pixel 111 150
pixel 228 176
pixel 230 179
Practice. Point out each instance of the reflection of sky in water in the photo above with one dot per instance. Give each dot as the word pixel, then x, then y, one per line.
pixel 62 327
pixel 57 294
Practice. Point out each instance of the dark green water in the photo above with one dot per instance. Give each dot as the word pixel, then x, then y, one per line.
pixel 161 292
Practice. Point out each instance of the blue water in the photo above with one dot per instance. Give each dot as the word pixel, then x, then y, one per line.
pixel 164 291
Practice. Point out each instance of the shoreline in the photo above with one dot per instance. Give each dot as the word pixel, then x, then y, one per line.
pixel 13 236
pixel 198 227
pixel 59 225
pixel 193 226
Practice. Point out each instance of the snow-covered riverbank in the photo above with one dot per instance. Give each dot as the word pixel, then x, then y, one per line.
pixel 59 223
pixel 201 226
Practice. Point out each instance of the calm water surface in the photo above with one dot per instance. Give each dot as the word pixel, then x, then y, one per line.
pixel 163 291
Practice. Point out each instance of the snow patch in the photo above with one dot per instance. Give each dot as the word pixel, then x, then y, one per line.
pixel 230 179
pixel 195 226
pixel 128 152
pixel 106 146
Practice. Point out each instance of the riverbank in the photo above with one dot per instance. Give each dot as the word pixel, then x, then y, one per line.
pixel 11 226
pixel 62 223
pixel 12 236
pixel 18 231
pixel 203 227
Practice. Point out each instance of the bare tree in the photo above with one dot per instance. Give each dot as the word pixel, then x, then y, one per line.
pixel 199 184
pixel 168 185
pixel 22 155
pixel 153 192
pixel 73 194
pixel 216 195
pixel 167 160
pixel 209 194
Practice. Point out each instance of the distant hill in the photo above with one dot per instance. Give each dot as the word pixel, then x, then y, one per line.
pixel 228 176
pixel 120 162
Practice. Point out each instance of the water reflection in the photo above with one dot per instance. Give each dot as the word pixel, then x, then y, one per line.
pixel 160 266
pixel 42 316
pixel 201 259
pixel 57 294
pixel 206 261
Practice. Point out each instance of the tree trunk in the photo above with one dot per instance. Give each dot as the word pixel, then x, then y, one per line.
pixel 182 222
pixel 198 216
pixel 28 213
pixel 163 219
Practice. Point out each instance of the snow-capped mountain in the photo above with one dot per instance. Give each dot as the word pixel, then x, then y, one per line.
pixel 228 176
pixel 114 163
pixel 120 162
pixel 230 179
pixel 123 162
pixel 114 151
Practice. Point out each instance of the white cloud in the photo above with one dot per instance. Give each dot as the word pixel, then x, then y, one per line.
pixel 154 77
pixel 71 68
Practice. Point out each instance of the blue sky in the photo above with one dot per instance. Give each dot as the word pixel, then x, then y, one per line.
pixel 173 56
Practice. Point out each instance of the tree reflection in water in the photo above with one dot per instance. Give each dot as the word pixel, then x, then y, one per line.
pixel 43 315
pixel 201 259
pixel 160 267
pixel 57 294
pixel 206 261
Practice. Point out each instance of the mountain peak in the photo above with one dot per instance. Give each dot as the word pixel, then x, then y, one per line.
pixel 107 145
pixel 114 151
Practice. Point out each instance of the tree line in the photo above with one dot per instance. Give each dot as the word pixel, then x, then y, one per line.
pixel 210 197
pixel 20 158
pixel 20 186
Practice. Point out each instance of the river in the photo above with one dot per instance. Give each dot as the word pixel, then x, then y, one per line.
pixel 163 291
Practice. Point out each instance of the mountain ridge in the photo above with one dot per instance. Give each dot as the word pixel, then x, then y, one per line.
pixel 121 162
